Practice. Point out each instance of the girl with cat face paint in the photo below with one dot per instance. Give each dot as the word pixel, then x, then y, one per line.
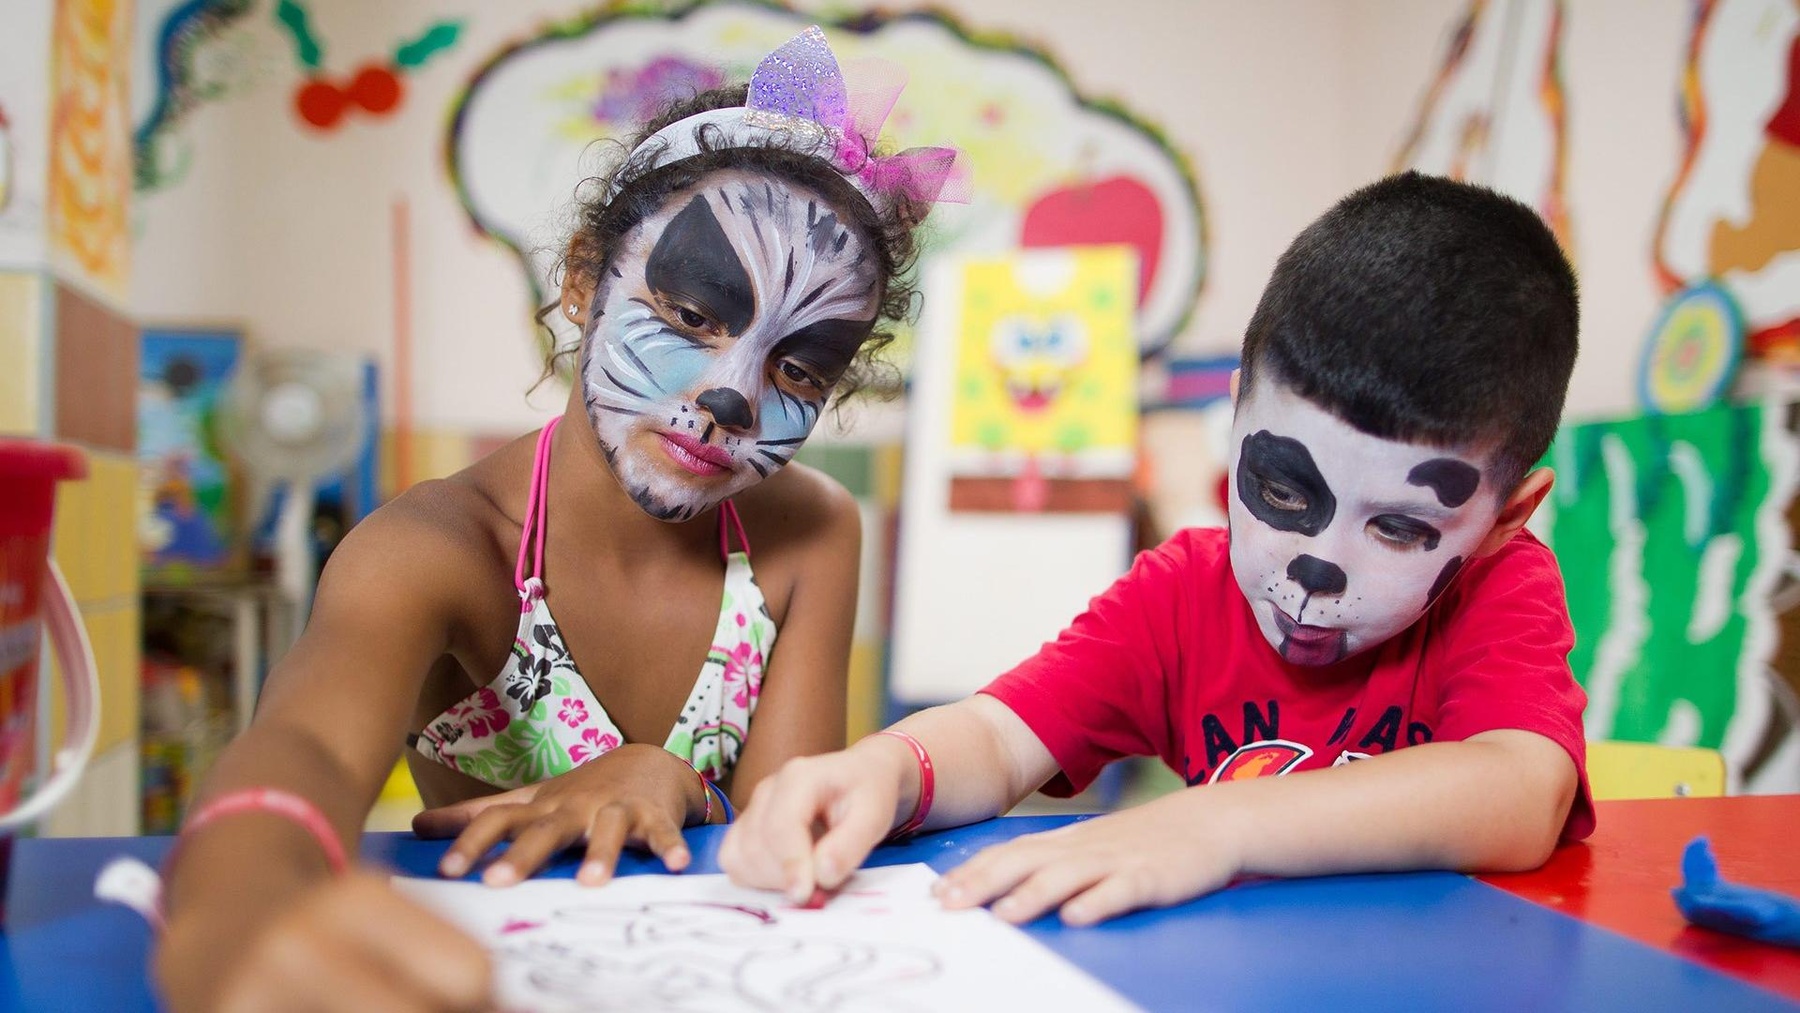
pixel 728 281
pixel 717 334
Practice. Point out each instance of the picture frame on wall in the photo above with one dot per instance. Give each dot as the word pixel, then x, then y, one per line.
pixel 189 502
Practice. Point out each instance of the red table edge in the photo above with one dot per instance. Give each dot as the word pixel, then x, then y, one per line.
pixel 1620 877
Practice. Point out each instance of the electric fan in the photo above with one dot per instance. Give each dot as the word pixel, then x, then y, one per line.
pixel 293 417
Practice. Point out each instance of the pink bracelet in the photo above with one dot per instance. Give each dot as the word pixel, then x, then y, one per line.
pixel 275 802
pixel 927 784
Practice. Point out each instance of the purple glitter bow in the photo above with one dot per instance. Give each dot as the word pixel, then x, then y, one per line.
pixel 802 80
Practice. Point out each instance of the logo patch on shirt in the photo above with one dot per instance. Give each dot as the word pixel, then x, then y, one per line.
pixel 1267 758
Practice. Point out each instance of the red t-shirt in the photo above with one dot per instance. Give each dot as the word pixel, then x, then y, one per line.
pixel 1169 662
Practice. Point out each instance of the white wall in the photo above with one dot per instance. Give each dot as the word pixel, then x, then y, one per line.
pixel 1283 106
pixel 1622 62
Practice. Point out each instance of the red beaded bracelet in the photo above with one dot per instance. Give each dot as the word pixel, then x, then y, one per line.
pixel 927 784
pixel 275 802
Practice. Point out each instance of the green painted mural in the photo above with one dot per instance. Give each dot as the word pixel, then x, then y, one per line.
pixel 1673 537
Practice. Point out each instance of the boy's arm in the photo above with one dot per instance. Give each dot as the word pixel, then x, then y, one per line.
pixel 986 760
pixel 813 822
pixel 1496 801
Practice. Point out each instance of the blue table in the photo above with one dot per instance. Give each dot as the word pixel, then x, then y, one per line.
pixel 1412 941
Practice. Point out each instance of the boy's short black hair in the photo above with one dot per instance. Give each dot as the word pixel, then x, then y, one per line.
pixel 1425 310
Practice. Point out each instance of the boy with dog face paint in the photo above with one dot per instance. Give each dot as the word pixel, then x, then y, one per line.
pixel 1339 539
pixel 1366 671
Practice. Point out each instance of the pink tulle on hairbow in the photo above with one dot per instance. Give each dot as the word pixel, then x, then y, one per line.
pixel 801 80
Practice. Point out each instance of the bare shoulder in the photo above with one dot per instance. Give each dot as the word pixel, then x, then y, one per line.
pixel 799 511
pixel 436 537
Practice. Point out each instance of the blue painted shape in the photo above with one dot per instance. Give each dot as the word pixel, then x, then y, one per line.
pixel 1415 941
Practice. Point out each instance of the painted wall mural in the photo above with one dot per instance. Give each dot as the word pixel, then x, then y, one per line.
pixel 1495 113
pixel 375 88
pixel 90 143
pixel 1675 548
pixel 1733 214
pixel 24 136
pixel 189 53
pixel 1050 166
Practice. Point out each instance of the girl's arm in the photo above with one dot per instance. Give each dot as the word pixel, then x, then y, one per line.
pixel 328 728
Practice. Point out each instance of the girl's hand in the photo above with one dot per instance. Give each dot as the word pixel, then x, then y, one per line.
pixel 638 795
pixel 811 823
pixel 349 944
pixel 1160 853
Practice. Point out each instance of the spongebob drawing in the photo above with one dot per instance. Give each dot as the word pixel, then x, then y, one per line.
pixel 1046 378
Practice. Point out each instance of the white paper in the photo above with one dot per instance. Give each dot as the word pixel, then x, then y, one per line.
pixel 698 943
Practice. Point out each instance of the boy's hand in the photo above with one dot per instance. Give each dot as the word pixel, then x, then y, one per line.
pixel 638 795
pixel 811 824
pixel 1160 853
pixel 350 944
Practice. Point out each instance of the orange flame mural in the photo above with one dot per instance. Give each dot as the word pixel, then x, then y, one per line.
pixel 90 140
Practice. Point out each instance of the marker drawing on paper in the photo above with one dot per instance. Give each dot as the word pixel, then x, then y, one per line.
pixel 697 943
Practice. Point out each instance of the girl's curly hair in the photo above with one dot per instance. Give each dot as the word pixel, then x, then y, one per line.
pixel 642 188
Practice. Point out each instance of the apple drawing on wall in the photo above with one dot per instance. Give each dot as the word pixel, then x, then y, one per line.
pixel 1117 209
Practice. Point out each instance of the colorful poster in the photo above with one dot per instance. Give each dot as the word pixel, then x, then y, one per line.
pixel 1495 114
pixel 1050 166
pixel 1733 213
pixel 1672 537
pixel 90 142
pixel 1046 377
pixel 188 514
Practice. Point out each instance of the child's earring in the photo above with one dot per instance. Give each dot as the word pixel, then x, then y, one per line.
pixel 573 312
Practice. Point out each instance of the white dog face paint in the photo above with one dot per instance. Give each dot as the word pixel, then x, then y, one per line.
pixel 1339 539
pixel 716 335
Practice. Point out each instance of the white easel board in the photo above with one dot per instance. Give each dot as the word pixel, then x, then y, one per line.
pixel 975 594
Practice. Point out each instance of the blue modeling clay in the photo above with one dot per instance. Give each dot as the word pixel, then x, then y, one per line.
pixel 1707 900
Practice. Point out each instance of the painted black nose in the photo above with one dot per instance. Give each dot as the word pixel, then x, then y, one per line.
pixel 727 406
pixel 1316 575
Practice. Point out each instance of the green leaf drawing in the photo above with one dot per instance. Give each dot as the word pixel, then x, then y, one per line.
pixel 437 38
pixel 306 45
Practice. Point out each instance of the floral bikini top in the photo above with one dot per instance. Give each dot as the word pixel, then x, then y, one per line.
pixel 539 718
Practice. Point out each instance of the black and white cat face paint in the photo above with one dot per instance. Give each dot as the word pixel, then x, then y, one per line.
pixel 716 335
pixel 1339 539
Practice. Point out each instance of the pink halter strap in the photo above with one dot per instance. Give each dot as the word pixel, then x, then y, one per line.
pixel 531 587
pixel 536 504
pixel 728 514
